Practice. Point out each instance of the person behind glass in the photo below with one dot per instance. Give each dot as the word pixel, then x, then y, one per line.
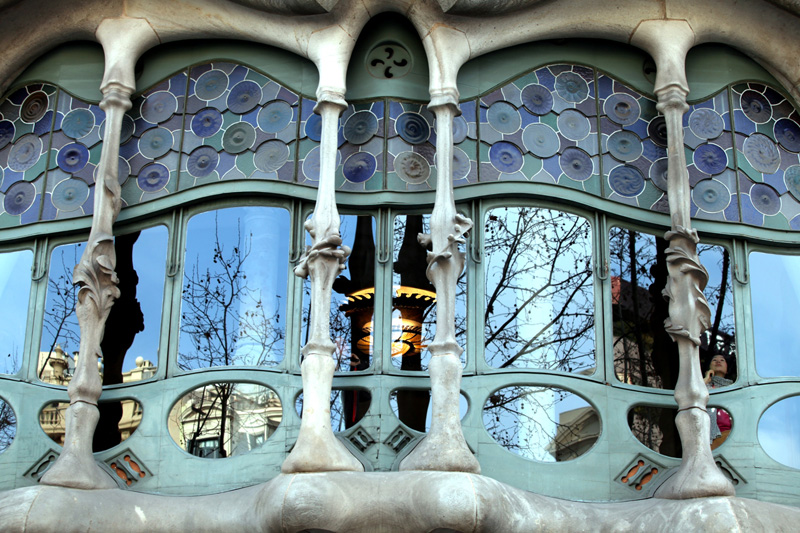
pixel 716 377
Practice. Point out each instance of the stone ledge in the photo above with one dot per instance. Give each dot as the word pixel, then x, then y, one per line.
pixel 375 502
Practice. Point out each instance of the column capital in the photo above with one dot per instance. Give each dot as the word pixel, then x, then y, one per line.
pixel 330 96
pixel 445 97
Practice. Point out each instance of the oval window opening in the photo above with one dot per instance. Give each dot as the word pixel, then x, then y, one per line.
pixel 348 406
pixel 224 419
pixel 541 423
pixel 413 407
pixel 8 425
pixel 778 430
pixel 118 421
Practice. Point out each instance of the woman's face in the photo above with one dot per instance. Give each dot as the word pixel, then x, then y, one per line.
pixel 719 365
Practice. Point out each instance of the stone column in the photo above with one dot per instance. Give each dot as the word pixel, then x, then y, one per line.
pixel 317 449
pixel 123 41
pixel 444 447
pixel 668 41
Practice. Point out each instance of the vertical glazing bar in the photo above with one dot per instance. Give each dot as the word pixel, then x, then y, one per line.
pixel 317 449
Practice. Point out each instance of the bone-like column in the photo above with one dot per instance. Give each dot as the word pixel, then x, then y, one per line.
pixel 668 41
pixel 444 447
pixel 123 41
pixel 317 449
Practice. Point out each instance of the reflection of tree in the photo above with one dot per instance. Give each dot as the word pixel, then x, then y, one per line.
pixel 60 321
pixel 527 420
pixel 224 319
pixel 8 425
pixel 539 297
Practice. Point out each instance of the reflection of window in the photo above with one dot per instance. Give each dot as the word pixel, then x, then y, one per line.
pixel 643 352
pixel 539 292
pixel 208 448
pixel 234 288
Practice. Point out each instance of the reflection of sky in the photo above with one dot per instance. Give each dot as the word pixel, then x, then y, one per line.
pixel 779 431
pixel 15 289
pixel 149 260
pixel 775 296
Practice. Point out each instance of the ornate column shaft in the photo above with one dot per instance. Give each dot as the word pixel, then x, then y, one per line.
pixel 444 447
pixel 317 449
pixel 123 41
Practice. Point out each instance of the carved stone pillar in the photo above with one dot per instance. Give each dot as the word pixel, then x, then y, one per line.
pixel 444 447
pixel 317 449
pixel 123 41
pixel 689 317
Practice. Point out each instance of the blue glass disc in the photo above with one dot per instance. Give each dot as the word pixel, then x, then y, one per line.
pixel 659 173
pixel 537 99
pixel 571 87
pixel 311 164
pixel 787 132
pixel 791 176
pixel 360 127
pixel 7 131
pixel 19 197
pixel 762 153
pixel 626 180
pixel 460 130
pixel 359 167
pixel 271 155
pixel 25 153
pixel 274 116
pixel 244 97
pixel 314 127
pixel 576 164
pixel 159 106
pixel 505 157
pixel 155 142
pixel 711 196
pixel 710 158
pixel 72 157
pixel 765 199
pixel 625 146
pixel 125 133
pixel 756 106
pixel 238 137
pixel 70 194
pixel 206 122
pixel 123 170
pixel 541 140
pixel 153 177
pixel 202 161
pixel 461 164
pixel 412 168
pixel 34 107
pixel 504 117
pixel 210 85
pixel 622 108
pixel 573 125
pixel 657 131
pixel 706 123
pixel 77 123
pixel 413 128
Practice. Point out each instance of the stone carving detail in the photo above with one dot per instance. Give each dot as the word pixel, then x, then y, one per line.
pixel 128 468
pixel 689 317
pixel 317 449
pixel 640 473
pixel 41 466
pixel 444 447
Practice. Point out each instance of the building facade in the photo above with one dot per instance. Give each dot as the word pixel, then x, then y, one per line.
pixel 484 266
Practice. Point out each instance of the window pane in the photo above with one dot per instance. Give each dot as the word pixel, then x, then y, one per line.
pixel 638 273
pixel 541 423
pixel 539 290
pixel 353 301
pixel 8 425
pixel 775 295
pixel 52 420
pixel 414 298
pixel 131 352
pixel 15 286
pixel 224 419
pixel 779 431
pixel 234 288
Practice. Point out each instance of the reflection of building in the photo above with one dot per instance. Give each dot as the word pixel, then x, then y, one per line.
pixel 578 430
pixel 224 419
pixel 58 371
